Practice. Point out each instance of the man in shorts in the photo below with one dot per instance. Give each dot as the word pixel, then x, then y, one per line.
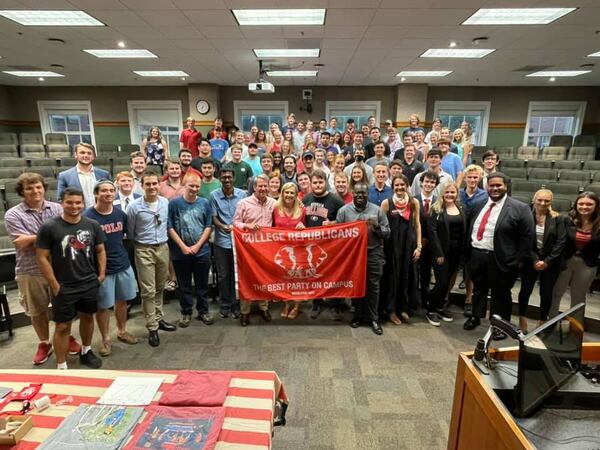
pixel 71 256
pixel 23 222
pixel 119 286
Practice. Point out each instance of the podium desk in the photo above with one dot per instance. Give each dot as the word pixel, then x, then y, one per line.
pixel 479 418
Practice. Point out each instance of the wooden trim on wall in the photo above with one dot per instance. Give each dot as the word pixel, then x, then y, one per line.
pixel 23 123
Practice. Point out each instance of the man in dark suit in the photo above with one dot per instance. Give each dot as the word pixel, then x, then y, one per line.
pixel 83 176
pixel 500 235
pixel 426 199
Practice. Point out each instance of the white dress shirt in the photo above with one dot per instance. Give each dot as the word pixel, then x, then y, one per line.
pixel 87 181
pixel 487 242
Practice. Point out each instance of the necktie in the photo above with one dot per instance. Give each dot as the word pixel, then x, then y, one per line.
pixel 484 221
pixel 426 206
pixel 127 202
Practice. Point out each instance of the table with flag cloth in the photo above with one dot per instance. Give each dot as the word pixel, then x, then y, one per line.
pixel 250 402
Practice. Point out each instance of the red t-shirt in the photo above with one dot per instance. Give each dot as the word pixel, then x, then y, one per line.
pixel 347 198
pixel 189 139
pixel 212 134
pixel 280 220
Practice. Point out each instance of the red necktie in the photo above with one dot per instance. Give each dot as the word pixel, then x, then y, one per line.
pixel 484 221
pixel 426 206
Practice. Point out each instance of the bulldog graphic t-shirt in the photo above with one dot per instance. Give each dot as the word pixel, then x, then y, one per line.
pixel 72 249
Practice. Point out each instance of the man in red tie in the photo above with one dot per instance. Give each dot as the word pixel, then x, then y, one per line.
pixel 500 233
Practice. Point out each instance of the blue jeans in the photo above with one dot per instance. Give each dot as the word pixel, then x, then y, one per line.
pixel 184 270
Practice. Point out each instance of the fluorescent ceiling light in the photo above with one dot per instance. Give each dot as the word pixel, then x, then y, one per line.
pixel 292 73
pixel 517 16
pixel 597 55
pixel 457 52
pixel 121 53
pixel 424 73
pixel 280 16
pixel 558 73
pixel 52 18
pixel 161 73
pixel 38 73
pixel 287 52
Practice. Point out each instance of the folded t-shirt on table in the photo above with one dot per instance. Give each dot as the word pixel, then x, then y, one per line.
pixel 197 388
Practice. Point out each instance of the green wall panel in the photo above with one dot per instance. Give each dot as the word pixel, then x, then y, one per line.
pixel 112 135
pixel 503 137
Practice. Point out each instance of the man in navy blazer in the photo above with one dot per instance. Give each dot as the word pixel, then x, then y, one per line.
pixel 125 194
pixel 500 234
pixel 84 175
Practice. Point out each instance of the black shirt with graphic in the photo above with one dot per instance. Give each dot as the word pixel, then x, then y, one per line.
pixel 320 209
pixel 72 249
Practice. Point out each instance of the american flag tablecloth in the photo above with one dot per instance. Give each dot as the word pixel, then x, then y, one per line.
pixel 249 405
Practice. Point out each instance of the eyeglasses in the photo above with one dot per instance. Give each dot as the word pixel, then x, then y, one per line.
pixel 157 220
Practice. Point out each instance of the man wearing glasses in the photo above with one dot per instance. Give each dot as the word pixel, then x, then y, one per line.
pixel 147 228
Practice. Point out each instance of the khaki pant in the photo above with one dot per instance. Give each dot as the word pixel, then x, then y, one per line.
pixel 578 277
pixel 152 263
pixel 245 306
pixel 35 294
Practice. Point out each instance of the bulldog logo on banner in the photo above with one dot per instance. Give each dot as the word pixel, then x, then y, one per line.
pixel 282 264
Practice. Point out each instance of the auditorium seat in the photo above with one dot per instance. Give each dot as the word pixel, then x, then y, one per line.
pixel 582 177
pixel 505 152
pixel 594 187
pixel 56 138
pixel 43 162
pixel 127 149
pixel 102 161
pixel 524 187
pixel 554 153
pixel 31 138
pixel 116 169
pixel 583 140
pixel 528 153
pixel 477 153
pixel 562 140
pixel 9 150
pixel 561 204
pixel 52 183
pixel 121 160
pixel 12 199
pixel 51 195
pixel 33 151
pixel 591 165
pixel 582 153
pixel 563 189
pixel 545 175
pixel 511 164
pixel 567 165
pixel 525 198
pixel 58 150
pixel 66 163
pixel 9 185
pixel 6 242
pixel 107 149
pixel 10 172
pixel 46 172
pixel 12 162
pixel 539 164
pixel 516 173
pixel 9 139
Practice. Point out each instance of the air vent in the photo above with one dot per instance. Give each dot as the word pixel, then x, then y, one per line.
pixel 531 68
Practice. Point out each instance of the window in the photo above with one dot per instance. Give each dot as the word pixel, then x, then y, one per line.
pixel 164 114
pixel 72 118
pixel 357 110
pixel 545 119
pixel 477 114
pixel 260 113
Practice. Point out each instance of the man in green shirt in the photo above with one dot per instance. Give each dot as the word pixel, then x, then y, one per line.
pixel 241 169
pixel 209 182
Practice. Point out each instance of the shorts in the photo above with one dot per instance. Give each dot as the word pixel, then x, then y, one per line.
pixel 117 286
pixel 73 299
pixel 35 294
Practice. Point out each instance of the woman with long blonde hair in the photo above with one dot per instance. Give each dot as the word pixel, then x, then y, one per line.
pixel 289 212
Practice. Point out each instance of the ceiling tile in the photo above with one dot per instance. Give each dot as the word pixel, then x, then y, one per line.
pixel 93 5
pixel 192 43
pixel 144 5
pixel 342 32
pixel 165 18
pixel 339 43
pixel 199 5
pixel 181 32
pixel 212 18
pixel 120 18
pixel 221 32
pixel 348 17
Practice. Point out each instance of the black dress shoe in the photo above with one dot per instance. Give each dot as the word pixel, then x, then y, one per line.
pixel 355 323
pixel 235 314
pixel 472 323
pixel 266 315
pixel 153 338
pixel 245 320
pixel 498 335
pixel 166 326
pixel 376 328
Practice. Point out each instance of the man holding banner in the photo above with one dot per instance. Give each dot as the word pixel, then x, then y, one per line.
pixel 252 214
pixel 378 229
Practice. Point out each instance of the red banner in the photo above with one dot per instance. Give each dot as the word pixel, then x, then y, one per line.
pixel 284 264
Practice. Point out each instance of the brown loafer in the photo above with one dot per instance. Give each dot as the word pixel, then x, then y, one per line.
pixel 128 338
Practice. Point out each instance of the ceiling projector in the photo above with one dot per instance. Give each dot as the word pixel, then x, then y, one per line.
pixel 261 87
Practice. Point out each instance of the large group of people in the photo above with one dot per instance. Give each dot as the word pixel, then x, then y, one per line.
pixel 429 209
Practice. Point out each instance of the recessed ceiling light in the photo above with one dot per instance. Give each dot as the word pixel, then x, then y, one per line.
pixel 280 16
pixel 402 79
pixel 517 16
pixel 552 79
pixel 124 53
pixel 161 73
pixel 292 73
pixel 41 79
pixel 424 73
pixel 595 55
pixel 52 18
pixel 452 44
pixel 287 52
pixel 32 73
pixel 558 73
pixel 121 44
pixel 457 52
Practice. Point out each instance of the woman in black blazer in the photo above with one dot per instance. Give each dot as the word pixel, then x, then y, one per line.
pixel 447 231
pixel 582 249
pixel 545 256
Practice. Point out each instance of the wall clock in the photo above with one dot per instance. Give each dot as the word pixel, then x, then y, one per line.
pixel 202 107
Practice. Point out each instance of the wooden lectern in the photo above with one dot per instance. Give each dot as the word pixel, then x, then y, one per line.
pixel 479 418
